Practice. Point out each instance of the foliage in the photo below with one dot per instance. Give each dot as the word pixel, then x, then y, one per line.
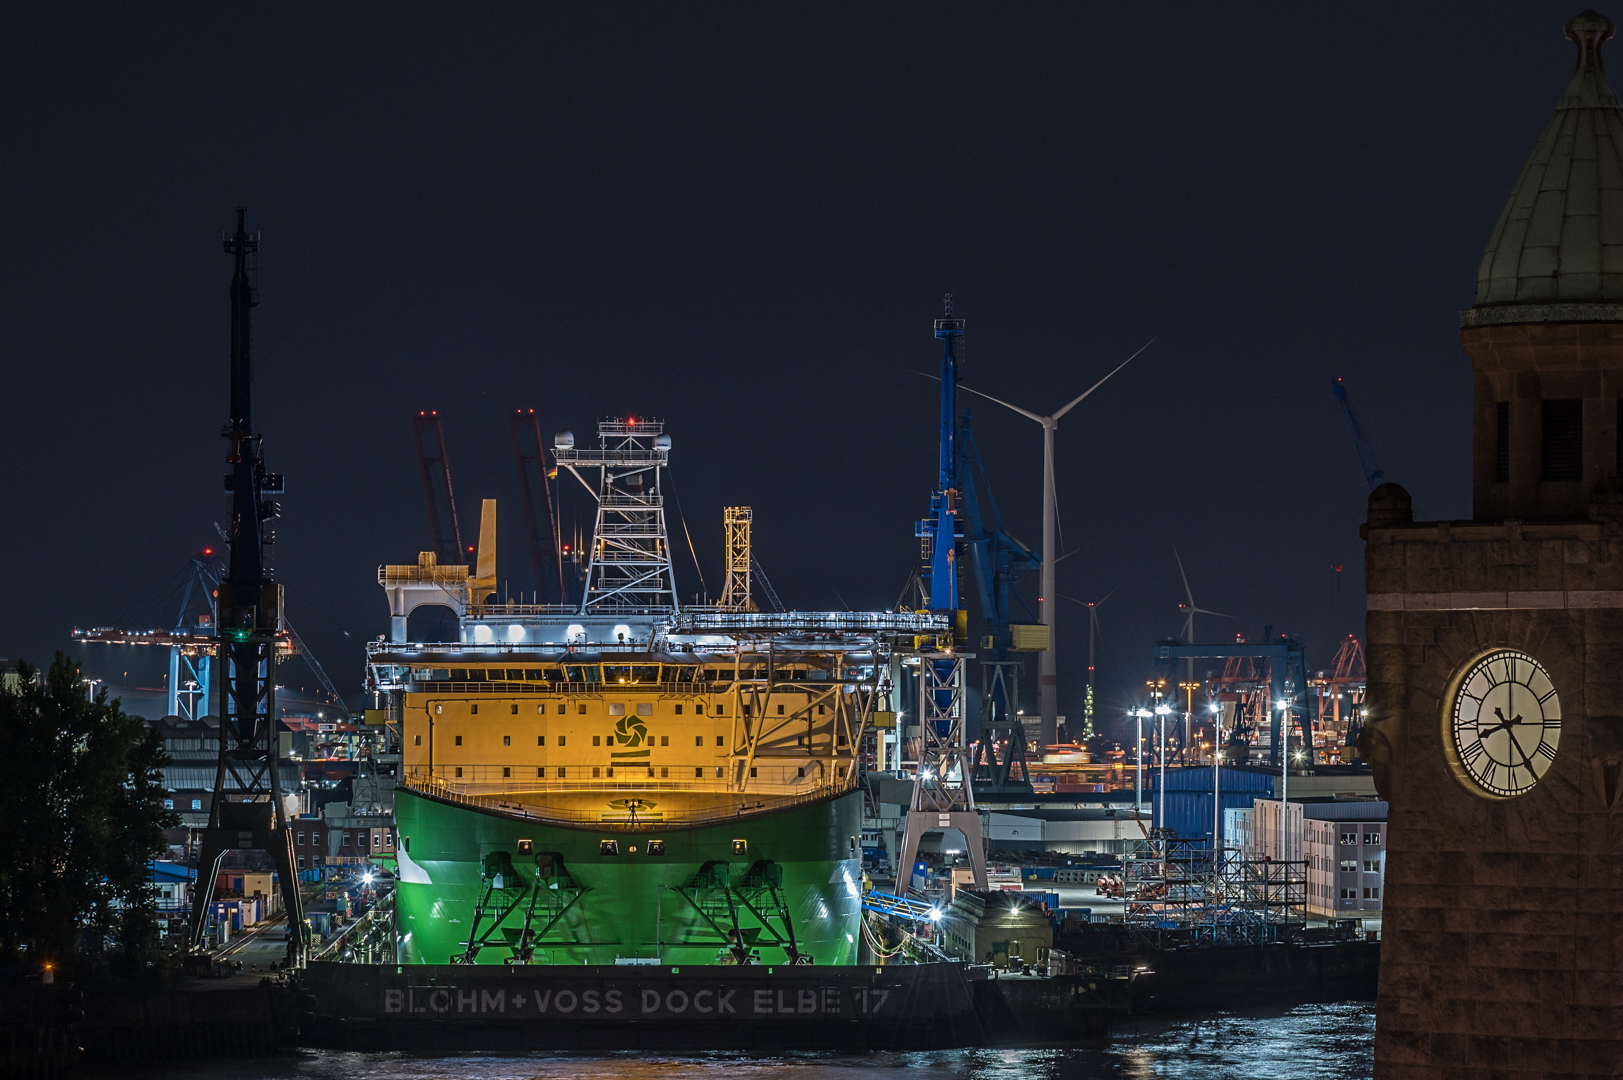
pixel 81 796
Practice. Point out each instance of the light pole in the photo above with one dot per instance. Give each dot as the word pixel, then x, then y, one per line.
pixel 1161 714
pixel 1139 716
pixel 1217 781
pixel 1284 707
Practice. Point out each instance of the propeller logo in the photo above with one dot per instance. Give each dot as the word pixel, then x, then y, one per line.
pixel 631 730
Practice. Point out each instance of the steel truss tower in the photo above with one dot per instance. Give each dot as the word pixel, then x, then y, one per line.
pixel 630 567
pixel 247 811
pixel 735 590
pixel 943 792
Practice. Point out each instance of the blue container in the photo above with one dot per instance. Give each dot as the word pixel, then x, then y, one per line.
pixel 1188 797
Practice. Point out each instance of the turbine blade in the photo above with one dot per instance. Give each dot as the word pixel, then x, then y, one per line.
pixel 1108 595
pixel 1005 404
pixel 1101 382
pixel 1185 577
pixel 1219 614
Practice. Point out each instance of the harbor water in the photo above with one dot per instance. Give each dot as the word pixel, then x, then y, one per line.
pixel 1323 1041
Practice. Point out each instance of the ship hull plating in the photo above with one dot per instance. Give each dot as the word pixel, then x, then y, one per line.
pixel 750 884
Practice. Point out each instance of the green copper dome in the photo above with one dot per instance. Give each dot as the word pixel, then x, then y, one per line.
pixel 1556 254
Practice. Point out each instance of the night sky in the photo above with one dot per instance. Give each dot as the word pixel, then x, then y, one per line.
pixel 742 219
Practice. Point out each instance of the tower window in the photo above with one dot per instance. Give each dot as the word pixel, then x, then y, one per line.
pixel 515 710
pixel 679 710
pixel 664 740
pixel 1501 465
pixel 1563 439
pixel 476 709
pixel 507 740
pixel 540 740
pixel 417 740
pixel 719 742
pixel 459 740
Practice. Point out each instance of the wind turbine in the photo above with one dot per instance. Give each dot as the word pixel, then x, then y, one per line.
pixel 1093 607
pixel 1047 682
pixel 1189 619
pixel 1189 639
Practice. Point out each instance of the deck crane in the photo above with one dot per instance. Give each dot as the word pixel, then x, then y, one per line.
pixel 535 495
pixel 436 466
pixel 1373 473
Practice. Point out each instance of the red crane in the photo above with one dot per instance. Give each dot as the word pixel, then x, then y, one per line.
pixel 536 495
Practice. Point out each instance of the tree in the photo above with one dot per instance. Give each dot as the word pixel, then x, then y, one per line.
pixel 81 798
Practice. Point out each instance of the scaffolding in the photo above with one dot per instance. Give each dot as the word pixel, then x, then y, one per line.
pixel 1177 891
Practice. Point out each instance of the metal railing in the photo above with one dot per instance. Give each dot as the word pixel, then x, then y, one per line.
pixel 750 804
pixel 627 775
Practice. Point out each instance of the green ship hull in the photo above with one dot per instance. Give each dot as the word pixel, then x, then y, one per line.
pixel 767 886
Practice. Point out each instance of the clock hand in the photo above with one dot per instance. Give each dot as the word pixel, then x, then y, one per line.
pixel 1525 759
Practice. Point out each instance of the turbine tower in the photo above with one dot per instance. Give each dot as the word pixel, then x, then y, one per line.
pixel 1048 682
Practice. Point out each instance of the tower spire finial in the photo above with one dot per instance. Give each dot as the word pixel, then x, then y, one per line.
pixel 1590 30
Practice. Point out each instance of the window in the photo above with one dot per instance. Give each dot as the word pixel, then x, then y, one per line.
pixel 459 740
pixel 656 848
pixel 752 772
pixel 561 772
pixel 801 772
pixel 719 742
pixel 719 772
pixel 698 707
pixel 698 740
pixel 300 840
pixel 780 710
pixel 1372 838
pixel 679 710
pixel 507 770
pixel 439 709
pixel 540 772
pixel 610 772
pixel 1349 894
pixel 645 708
pixel 597 772
pixel 459 770
pixel 617 708
pixel 540 740
pixel 597 740
pixel 820 710
pixel 197 804
pixel 561 739
pixel 1501 466
pixel 721 710
pixel 1349 838
pixel 611 740
pixel 345 842
pixel 541 709
pixel 515 710
pixel 1372 866
pixel 526 847
pixel 664 740
pixel 1372 893
pixel 301 862
pixel 315 839
pixel 507 740
pixel 416 740
pixel 563 708
pixel 698 772
pixel 741 847
pixel 1563 444
pixel 608 847
pixel 1349 866
pixel 582 708
pixel 475 708
pixel 650 772
pixel 664 772
pixel 169 804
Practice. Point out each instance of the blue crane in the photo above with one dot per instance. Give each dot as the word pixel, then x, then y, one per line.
pixel 1373 473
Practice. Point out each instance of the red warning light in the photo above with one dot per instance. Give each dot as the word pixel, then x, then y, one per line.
pixel 208 551
pixel 632 422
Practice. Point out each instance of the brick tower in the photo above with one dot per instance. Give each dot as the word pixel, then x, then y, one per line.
pixel 1496 650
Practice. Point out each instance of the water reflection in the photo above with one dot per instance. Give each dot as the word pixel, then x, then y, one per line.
pixel 1310 1042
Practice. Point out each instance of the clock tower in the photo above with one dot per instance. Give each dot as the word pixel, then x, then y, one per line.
pixel 1495 650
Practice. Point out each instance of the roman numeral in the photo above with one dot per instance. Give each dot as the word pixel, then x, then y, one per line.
pixel 1546 751
pixel 1510 669
pixel 1470 753
pixel 1548 696
pixel 1488 773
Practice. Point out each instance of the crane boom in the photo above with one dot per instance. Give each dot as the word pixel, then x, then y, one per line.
pixel 436 465
pixel 536 496
pixel 1374 475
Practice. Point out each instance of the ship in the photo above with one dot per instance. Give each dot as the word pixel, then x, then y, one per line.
pixel 627 779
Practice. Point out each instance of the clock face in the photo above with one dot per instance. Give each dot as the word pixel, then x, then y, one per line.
pixel 1504 724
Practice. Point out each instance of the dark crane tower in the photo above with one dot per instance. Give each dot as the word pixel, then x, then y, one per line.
pixel 536 494
pixel 247 810
pixel 436 465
